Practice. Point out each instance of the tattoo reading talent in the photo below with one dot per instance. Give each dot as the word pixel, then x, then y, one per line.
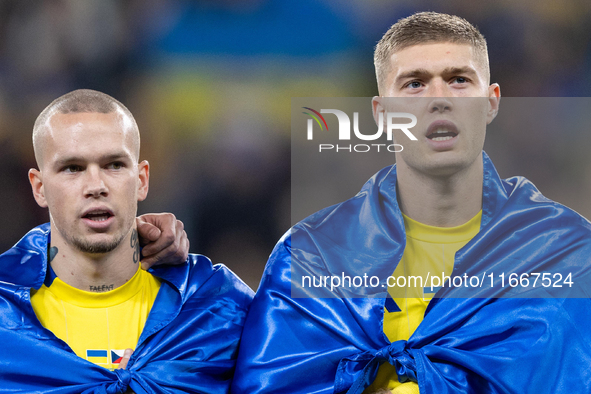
pixel 52 253
pixel 101 289
pixel 135 244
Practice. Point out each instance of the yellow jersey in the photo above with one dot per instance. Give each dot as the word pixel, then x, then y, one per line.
pixel 429 251
pixel 97 326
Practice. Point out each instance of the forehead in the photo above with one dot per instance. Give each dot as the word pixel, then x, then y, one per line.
pixel 88 134
pixel 434 57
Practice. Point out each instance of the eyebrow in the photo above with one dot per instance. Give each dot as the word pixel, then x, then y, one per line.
pixel 418 72
pixel 421 72
pixel 80 159
pixel 459 70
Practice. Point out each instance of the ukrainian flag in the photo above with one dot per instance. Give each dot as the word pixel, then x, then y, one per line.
pixel 97 356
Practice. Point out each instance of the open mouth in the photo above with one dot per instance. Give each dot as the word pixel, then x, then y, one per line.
pixel 98 216
pixel 442 131
pixel 442 134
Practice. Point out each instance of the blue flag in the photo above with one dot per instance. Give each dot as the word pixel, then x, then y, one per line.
pixel 189 342
pixel 491 338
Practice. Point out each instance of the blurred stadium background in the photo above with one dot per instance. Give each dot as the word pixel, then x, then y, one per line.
pixel 210 84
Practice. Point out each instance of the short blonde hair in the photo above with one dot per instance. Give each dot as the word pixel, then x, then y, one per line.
pixel 426 28
pixel 79 101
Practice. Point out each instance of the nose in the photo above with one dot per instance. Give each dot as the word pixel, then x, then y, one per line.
pixel 440 104
pixel 440 99
pixel 94 183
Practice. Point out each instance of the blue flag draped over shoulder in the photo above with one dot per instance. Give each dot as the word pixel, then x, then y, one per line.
pixel 488 339
pixel 188 344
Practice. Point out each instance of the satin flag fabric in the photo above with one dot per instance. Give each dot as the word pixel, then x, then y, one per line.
pixel 188 344
pixel 489 339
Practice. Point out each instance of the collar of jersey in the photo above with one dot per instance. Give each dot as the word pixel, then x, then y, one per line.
pixel 88 299
pixel 423 232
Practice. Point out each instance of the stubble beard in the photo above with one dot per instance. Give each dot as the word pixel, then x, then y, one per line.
pixel 102 247
pixel 98 247
pixel 72 236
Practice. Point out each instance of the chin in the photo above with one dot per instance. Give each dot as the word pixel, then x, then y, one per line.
pixel 447 165
pixel 97 246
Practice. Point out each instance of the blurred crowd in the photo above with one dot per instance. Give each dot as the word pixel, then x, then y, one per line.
pixel 210 84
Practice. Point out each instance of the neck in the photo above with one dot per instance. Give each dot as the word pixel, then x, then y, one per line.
pixel 442 201
pixel 95 272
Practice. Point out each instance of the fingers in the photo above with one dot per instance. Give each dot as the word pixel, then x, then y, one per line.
pixel 166 226
pixel 147 231
pixel 126 356
pixel 147 228
pixel 173 250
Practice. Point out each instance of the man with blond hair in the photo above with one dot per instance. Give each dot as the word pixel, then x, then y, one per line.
pixel 442 208
pixel 78 313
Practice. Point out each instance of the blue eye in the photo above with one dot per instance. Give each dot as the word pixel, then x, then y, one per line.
pixel 415 85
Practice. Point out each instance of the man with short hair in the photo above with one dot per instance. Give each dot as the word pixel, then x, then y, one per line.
pixel 441 208
pixel 78 313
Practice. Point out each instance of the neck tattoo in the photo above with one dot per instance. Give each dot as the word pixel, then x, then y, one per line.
pixel 135 245
pixel 52 253
pixel 102 288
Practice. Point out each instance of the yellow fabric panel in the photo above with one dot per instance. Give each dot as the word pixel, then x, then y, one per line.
pixel 407 388
pixel 429 251
pixel 97 326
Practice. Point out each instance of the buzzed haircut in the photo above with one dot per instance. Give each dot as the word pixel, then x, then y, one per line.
pixel 427 28
pixel 77 101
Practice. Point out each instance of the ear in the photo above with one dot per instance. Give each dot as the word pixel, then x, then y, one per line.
pixel 494 99
pixel 36 180
pixel 144 180
pixel 377 108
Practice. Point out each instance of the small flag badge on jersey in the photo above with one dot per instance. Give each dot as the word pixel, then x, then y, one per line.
pixel 117 356
pixel 97 356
